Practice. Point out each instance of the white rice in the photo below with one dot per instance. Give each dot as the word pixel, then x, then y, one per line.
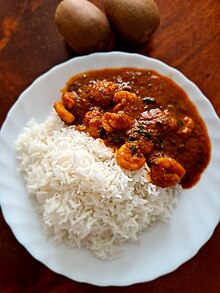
pixel 83 196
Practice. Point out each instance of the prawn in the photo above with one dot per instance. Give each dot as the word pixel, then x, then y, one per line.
pixel 130 157
pixel 68 100
pixel 116 121
pixel 166 171
pixel 128 102
pixel 92 121
pixel 63 113
pixel 121 96
pixel 102 93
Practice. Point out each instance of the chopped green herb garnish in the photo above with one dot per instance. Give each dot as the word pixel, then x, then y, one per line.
pixel 102 133
pixel 180 123
pixel 148 135
pixel 160 143
pixel 133 149
pixel 132 138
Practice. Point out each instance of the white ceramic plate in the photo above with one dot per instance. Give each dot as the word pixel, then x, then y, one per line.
pixel 161 249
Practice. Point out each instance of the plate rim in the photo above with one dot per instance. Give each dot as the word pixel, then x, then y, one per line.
pixel 51 71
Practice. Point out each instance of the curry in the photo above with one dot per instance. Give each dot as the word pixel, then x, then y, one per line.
pixel 144 117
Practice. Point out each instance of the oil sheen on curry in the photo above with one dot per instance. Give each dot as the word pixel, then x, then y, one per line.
pixel 144 117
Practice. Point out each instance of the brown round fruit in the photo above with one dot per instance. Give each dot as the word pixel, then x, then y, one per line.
pixel 134 21
pixel 84 27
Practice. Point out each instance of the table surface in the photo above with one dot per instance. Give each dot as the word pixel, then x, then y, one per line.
pixel 188 39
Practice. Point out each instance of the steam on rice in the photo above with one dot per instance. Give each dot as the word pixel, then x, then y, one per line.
pixel 83 196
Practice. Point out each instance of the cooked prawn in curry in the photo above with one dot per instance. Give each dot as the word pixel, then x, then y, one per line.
pixel 144 117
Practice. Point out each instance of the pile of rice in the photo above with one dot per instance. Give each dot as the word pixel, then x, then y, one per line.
pixel 83 196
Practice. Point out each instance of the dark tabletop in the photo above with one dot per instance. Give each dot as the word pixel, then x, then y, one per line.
pixel 188 39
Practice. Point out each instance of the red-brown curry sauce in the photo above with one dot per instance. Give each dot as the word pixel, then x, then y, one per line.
pixel 162 115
